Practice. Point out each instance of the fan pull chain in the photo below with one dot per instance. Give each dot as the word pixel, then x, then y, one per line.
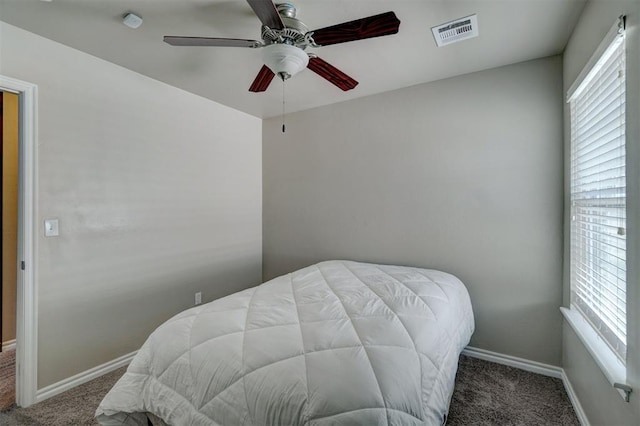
pixel 283 127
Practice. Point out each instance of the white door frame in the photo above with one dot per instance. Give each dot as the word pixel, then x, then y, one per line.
pixel 27 313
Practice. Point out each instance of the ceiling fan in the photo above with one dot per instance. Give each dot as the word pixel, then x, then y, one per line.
pixel 285 38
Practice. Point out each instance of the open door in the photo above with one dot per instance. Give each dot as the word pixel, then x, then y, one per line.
pixel 1 197
pixel 9 148
pixel 9 209
pixel 9 246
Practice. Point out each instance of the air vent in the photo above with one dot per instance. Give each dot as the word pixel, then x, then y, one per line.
pixel 458 30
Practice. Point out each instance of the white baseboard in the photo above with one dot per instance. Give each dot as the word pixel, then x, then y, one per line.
pixel 534 367
pixel 9 344
pixel 78 379
pixel 577 407
pixel 513 361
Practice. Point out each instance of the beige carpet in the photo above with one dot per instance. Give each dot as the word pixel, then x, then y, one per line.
pixel 485 394
pixel 74 407
pixel 7 378
pixel 488 394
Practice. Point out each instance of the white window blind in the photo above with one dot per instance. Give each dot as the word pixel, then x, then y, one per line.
pixel 598 196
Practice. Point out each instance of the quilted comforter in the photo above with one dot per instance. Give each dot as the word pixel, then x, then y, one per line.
pixel 336 343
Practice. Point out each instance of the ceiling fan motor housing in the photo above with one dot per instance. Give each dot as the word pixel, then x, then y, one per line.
pixel 295 32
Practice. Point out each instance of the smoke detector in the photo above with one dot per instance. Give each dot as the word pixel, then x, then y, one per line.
pixel 132 20
pixel 454 31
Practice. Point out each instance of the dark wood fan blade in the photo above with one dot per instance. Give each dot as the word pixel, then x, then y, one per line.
pixel 373 26
pixel 267 13
pixel 331 73
pixel 211 41
pixel 262 81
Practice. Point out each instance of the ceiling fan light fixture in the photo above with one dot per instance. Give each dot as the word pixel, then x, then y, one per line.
pixel 285 60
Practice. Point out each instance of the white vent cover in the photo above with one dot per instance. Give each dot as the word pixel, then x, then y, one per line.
pixel 458 30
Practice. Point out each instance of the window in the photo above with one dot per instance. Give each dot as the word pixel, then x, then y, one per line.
pixel 598 195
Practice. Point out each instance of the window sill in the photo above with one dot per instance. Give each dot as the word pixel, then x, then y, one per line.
pixel 614 370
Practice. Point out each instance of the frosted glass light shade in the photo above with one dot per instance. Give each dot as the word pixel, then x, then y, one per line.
pixel 285 60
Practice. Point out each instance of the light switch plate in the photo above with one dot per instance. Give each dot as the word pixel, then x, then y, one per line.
pixel 51 227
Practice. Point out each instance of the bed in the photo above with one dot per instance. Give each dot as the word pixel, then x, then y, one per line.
pixel 338 342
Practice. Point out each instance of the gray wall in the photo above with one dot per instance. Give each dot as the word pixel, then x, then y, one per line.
pixel 603 405
pixel 158 193
pixel 462 175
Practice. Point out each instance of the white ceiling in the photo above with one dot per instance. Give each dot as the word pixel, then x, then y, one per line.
pixel 511 31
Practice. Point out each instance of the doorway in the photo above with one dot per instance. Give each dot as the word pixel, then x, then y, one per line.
pixel 25 266
pixel 9 168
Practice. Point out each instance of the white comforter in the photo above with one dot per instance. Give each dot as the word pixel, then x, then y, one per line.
pixel 335 343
